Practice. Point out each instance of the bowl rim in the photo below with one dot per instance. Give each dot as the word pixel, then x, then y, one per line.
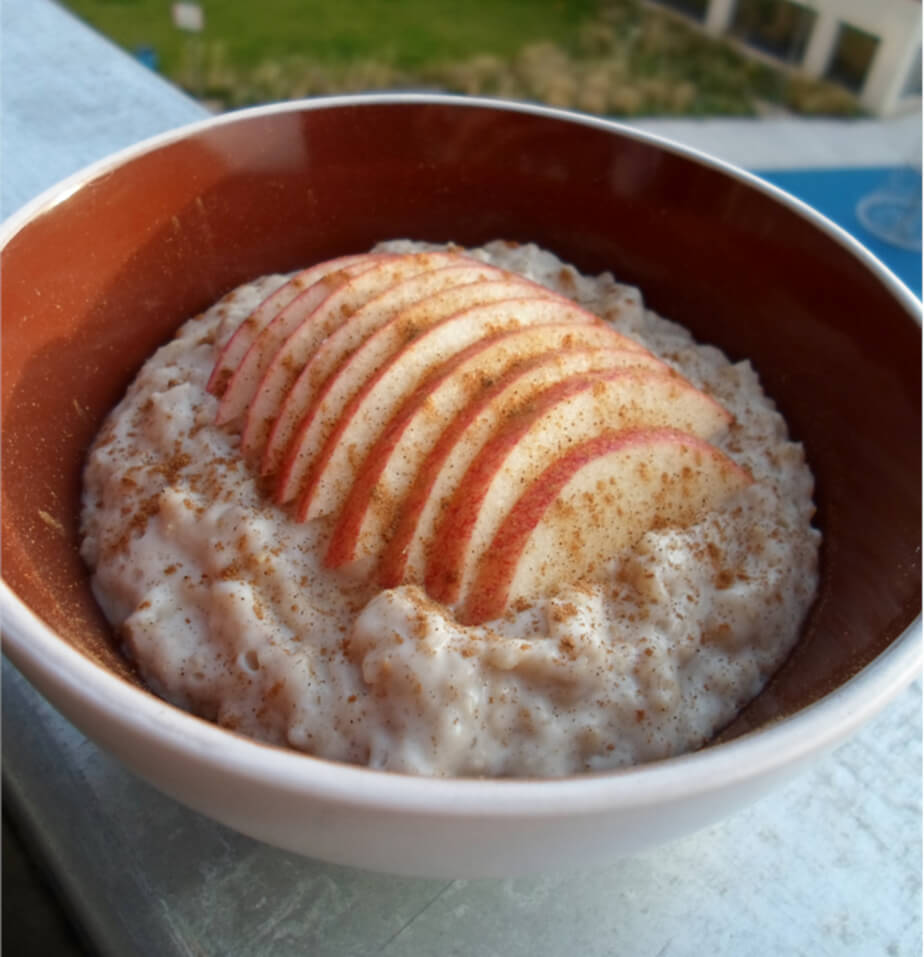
pixel 65 188
pixel 63 672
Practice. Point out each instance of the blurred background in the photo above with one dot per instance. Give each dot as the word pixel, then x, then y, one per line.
pixel 622 58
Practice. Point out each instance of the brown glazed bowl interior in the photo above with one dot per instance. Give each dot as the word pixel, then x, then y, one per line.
pixel 98 276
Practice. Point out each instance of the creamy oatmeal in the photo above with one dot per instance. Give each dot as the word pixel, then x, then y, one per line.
pixel 228 609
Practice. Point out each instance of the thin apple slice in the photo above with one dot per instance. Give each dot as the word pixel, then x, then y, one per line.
pixel 284 367
pixel 570 412
pixel 512 396
pixel 591 503
pixel 234 350
pixel 323 480
pixel 516 364
pixel 316 415
pixel 246 378
pixel 280 405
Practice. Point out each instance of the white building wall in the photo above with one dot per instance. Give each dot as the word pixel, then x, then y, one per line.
pixel 897 24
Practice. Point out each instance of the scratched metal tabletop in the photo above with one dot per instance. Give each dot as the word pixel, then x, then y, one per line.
pixel 828 865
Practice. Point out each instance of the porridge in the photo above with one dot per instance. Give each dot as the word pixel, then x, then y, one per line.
pixel 396 543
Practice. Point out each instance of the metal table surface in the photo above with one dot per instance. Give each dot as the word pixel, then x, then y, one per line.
pixel 828 865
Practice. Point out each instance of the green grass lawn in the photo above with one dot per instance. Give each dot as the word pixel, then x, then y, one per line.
pixel 405 33
pixel 613 57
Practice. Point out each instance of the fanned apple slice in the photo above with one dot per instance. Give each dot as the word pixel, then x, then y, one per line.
pixel 321 415
pixel 568 413
pixel 523 361
pixel 513 396
pixel 591 503
pixel 284 404
pixel 300 313
pixel 330 474
pixel 237 346
pixel 285 345
pixel 317 330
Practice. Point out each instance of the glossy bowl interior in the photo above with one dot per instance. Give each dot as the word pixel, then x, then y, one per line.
pixel 102 269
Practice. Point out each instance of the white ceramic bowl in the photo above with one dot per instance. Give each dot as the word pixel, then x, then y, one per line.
pixel 708 244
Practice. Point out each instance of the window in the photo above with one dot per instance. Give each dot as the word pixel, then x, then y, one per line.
pixel 778 27
pixel 692 8
pixel 852 57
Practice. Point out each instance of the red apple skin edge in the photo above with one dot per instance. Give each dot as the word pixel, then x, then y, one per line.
pixel 393 561
pixel 345 537
pixel 391 567
pixel 236 347
pixel 305 400
pixel 310 386
pixel 298 314
pixel 296 479
pixel 293 335
pixel 454 529
pixel 300 461
pixel 488 595
pixel 234 350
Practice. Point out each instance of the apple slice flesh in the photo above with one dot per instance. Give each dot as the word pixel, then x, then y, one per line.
pixel 569 412
pixel 516 400
pixel 516 363
pixel 289 402
pixel 320 418
pixel 329 316
pixel 246 378
pixel 234 350
pixel 593 502
pixel 283 348
pixel 329 475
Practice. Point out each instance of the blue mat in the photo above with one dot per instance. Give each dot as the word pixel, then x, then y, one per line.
pixel 836 193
